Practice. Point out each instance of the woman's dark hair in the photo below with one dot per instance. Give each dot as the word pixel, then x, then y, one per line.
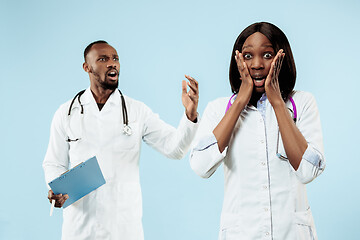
pixel 287 75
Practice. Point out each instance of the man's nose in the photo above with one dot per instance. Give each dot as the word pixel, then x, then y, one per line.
pixel 112 64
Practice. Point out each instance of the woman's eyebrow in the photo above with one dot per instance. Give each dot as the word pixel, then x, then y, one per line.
pixel 251 46
pixel 246 46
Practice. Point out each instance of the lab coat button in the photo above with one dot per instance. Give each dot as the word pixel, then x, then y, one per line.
pixel 262 141
pixel 267 233
pixel 263 163
pixel 266 209
pixel 265 187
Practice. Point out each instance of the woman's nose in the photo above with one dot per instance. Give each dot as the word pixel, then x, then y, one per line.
pixel 257 63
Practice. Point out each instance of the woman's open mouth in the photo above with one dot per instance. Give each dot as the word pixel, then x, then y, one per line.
pixel 259 81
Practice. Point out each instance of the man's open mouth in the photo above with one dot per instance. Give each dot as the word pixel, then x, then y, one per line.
pixel 112 74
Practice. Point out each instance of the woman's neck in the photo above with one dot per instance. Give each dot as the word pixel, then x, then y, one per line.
pixel 255 98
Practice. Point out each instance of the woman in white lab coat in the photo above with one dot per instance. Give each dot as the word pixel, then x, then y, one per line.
pixel 269 138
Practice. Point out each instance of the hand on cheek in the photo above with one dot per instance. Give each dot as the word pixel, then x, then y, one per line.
pixel 272 87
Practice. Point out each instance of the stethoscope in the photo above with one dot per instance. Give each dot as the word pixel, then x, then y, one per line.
pixel 293 114
pixel 126 128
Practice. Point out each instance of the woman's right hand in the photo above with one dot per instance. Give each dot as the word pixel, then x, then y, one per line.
pixel 224 129
pixel 247 85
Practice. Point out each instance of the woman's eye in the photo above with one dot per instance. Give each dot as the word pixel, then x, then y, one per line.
pixel 267 55
pixel 247 56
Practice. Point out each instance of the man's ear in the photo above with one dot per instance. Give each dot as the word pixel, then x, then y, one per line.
pixel 86 67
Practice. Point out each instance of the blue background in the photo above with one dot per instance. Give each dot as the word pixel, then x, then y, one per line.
pixel 158 42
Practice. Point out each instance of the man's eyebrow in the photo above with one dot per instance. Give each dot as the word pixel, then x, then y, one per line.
pixel 103 56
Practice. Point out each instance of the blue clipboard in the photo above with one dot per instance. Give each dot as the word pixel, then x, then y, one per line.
pixel 78 181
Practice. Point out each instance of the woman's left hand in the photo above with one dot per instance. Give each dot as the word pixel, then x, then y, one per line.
pixel 272 87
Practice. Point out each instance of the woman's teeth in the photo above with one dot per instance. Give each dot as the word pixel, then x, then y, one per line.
pixel 259 82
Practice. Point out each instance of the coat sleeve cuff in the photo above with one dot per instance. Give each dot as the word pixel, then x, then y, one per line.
pixel 205 157
pixel 205 143
pixel 188 121
pixel 311 165
pixel 312 156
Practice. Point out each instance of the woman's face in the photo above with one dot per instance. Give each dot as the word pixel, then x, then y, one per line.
pixel 258 54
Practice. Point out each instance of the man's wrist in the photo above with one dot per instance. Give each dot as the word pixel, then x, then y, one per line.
pixel 192 117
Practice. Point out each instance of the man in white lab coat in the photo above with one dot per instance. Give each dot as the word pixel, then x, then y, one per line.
pixel 93 125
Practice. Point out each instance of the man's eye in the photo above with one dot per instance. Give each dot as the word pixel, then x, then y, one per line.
pixel 247 56
pixel 267 55
pixel 116 59
pixel 102 59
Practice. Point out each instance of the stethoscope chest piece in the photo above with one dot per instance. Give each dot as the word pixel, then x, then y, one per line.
pixel 127 130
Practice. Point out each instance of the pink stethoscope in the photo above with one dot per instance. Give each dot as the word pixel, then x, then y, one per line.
pixel 294 117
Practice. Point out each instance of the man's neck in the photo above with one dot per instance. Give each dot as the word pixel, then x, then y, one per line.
pixel 101 95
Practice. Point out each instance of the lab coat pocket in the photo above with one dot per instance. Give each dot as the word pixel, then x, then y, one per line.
pixel 80 151
pixel 73 219
pixel 304 225
pixel 127 142
pixel 129 202
pixel 234 232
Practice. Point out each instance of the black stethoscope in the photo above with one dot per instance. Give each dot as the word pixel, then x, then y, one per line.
pixel 126 129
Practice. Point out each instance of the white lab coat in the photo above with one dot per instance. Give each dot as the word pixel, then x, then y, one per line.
pixel 264 198
pixel 113 211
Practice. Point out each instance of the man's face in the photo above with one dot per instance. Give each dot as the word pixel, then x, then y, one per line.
pixel 102 64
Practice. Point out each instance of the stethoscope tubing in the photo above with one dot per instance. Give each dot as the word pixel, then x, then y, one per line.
pixel 127 130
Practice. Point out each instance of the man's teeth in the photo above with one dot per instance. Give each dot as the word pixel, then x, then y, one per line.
pixel 112 74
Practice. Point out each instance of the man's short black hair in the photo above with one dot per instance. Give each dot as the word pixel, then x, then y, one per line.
pixel 287 75
pixel 87 49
